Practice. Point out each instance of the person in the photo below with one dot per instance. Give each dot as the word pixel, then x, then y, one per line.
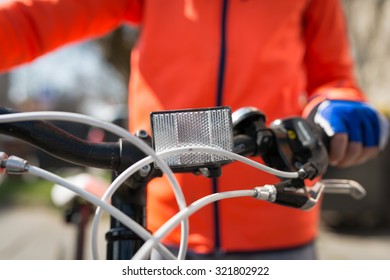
pixel 284 57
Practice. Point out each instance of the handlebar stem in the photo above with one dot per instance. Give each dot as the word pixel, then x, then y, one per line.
pixel 122 243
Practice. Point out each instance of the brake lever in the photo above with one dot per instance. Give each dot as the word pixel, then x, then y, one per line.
pixel 342 186
pixel 333 186
pixel 293 193
pixel 314 194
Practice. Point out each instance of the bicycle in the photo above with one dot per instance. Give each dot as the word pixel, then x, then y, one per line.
pixel 292 149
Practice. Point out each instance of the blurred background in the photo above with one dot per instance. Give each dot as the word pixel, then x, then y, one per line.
pixel 92 77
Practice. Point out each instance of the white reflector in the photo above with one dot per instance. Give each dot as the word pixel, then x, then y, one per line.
pixel 209 127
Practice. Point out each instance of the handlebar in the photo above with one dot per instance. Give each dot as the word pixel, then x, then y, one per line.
pixel 61 144
pixel 292 145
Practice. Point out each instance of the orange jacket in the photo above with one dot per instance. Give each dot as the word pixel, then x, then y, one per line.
pixel 274 55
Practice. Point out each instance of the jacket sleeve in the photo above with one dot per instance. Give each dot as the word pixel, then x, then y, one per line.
pixel 30 28
pixel 329 65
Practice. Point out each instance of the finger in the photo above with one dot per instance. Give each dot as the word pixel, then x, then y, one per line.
pixel 353 153
pixel 338 148
pixel 367 154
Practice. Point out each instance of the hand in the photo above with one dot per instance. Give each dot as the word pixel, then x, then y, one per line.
pixel 357 131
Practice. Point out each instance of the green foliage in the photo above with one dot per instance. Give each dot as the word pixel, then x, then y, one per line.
pixel 25 191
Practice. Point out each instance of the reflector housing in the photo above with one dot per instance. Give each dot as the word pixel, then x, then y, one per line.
pixel 206 127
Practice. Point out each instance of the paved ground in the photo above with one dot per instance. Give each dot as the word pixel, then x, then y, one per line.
pixel 38 233
pixel 354 246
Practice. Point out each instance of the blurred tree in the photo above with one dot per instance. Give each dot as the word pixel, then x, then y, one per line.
pixel 117 46
pixel 4 85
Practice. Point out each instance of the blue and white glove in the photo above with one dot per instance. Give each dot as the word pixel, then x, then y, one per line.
pixel 358 130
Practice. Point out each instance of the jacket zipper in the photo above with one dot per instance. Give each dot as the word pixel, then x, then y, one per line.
pixel 220 84
pixel 222 55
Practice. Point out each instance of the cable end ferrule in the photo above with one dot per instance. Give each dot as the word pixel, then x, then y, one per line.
pixel 14 165
pixel 266 193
